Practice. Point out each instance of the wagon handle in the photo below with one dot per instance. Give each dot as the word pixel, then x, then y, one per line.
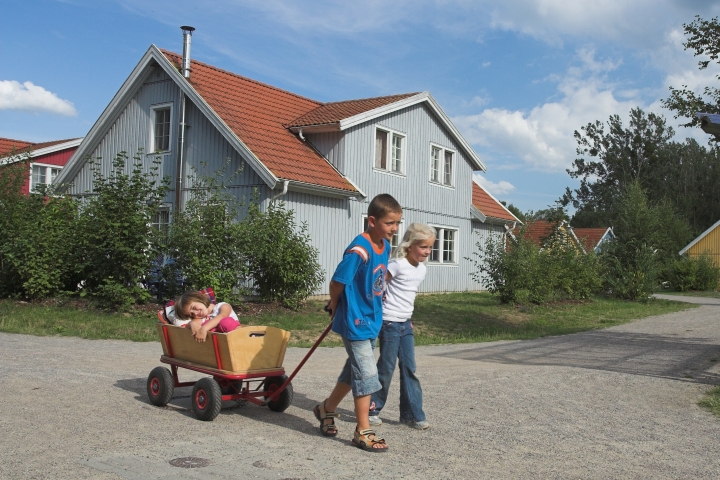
pixel 277 392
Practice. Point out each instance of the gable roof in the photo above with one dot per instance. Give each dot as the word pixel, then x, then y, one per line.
pixel 334 112
pixel 592 236
pixel 10 147
pixel 539 230
pixel 256 113
pixel 699 237
pixel 250 115
pixel 339 116
pixel 489 207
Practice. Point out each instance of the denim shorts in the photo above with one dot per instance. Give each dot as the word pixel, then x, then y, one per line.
pixel 360 370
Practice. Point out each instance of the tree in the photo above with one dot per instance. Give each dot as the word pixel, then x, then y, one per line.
pixel 704 39
pixel 617 158
pixel 514 210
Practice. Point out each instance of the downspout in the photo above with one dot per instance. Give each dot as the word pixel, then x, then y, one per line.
pixel 185 70
pixel 284 191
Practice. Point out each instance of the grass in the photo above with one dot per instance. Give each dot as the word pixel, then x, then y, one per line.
pixel 710 294
pixel 712 401
pixel 450 318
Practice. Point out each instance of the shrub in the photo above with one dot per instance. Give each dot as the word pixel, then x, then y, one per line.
pixel 519 272
pixel 282 261
pixel 694 273
pixel 115 232
pixel 40 249
pixel 12 178
pixel 205 241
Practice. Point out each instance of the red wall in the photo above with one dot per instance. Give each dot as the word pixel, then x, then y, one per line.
pixel 56 158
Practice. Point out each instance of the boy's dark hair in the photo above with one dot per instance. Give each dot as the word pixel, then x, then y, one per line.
pixel 383 204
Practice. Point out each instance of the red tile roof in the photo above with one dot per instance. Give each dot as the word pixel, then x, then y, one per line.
pixel 538 231
pixel 257 113
pixel 489 207
pixel 590 236
pixel 333 112
pixel 8 145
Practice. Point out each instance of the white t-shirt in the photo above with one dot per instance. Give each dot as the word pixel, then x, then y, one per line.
pixel 401 290
pixel 216 311
pixel 213 313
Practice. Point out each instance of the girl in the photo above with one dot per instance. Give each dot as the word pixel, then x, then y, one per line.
pixel 405 272
pixel 204 316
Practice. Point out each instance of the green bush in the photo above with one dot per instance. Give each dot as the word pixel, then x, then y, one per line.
pixel 117 241
pixel 40 249
pixel 205 241
pixel 694 273
pixel 12 178
pixel 283 263
pixel 519 272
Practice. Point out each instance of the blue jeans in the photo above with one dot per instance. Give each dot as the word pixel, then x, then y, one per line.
pixel 360 371
pixel 397 342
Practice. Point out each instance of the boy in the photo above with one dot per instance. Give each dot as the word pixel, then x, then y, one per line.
pixel 356 292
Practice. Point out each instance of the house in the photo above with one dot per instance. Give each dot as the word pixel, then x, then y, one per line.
pixel 539 231
pixel 594 238
pixel 46 158
pixel 707 242
pixel 326 161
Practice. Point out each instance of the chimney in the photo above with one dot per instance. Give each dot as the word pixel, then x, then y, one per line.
pixel 187 37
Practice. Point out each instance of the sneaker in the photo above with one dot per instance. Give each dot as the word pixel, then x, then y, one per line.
pixel 421 425
pixel 375 420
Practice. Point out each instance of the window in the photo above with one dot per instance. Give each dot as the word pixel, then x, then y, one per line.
pixel 395 242
pixel 441 165
pixel 161 129
pixel 444 249
pixel 161 219
pixel 390 146
pixel 43 175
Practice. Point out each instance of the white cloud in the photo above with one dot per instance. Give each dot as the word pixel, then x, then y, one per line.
pixel 543 136
pixel 496 189
pixel 34 98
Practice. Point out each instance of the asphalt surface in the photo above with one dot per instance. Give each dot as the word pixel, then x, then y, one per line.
pixel 614 403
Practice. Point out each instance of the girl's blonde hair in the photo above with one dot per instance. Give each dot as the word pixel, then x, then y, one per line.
pixel 416 232
pixel 183 303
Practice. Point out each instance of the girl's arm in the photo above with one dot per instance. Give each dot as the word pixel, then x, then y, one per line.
pixel 212 322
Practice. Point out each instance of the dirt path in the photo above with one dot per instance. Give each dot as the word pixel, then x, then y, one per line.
pixel 612 403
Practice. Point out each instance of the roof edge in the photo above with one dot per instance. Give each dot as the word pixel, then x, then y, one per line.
pixel 698 238
pixel 498 202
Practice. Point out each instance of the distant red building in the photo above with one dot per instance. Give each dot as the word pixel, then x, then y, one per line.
pixel 46 158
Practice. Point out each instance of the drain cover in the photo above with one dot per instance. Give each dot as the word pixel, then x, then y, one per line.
pixel 190 462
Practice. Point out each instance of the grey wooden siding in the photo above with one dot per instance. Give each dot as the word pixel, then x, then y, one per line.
pixel 352 152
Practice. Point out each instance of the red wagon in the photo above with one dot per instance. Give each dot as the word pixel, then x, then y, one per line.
pixel 245 364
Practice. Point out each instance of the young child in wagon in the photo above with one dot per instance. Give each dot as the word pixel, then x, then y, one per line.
pixel 356 292
pixel 204 316
pixel 397 341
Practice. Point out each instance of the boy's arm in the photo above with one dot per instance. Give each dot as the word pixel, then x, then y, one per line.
pixel 336 289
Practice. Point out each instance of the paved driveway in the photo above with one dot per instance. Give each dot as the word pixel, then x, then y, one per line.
pixel 612 403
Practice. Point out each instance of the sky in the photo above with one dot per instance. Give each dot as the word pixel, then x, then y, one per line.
pixel 517 77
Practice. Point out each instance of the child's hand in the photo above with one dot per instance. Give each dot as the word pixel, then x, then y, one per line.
pixel 330 308
pixel 200 335
pixel 195 326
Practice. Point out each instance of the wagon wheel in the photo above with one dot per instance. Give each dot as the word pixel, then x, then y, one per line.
pixel 160 386
pixel 206 399
pixel 283 401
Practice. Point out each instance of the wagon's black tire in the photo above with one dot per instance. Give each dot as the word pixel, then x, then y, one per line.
pixel 206 399
pixel 283 401
pixel 160 386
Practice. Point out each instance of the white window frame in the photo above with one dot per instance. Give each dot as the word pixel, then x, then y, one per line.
pixel 391 135
pixel 153 124
pixel 398 235
pixel 48 174
pixel 157 222
pixel 441 168
pixel 441 229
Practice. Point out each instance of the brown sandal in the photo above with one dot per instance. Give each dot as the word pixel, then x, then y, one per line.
pixel 327 429
pixel 362 439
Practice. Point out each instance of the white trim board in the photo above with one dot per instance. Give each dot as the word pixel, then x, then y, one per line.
pixel 699 237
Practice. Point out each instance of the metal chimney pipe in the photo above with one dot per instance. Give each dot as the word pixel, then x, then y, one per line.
pixel 187 37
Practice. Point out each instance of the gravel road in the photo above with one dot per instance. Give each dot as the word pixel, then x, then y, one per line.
pixel 614 403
